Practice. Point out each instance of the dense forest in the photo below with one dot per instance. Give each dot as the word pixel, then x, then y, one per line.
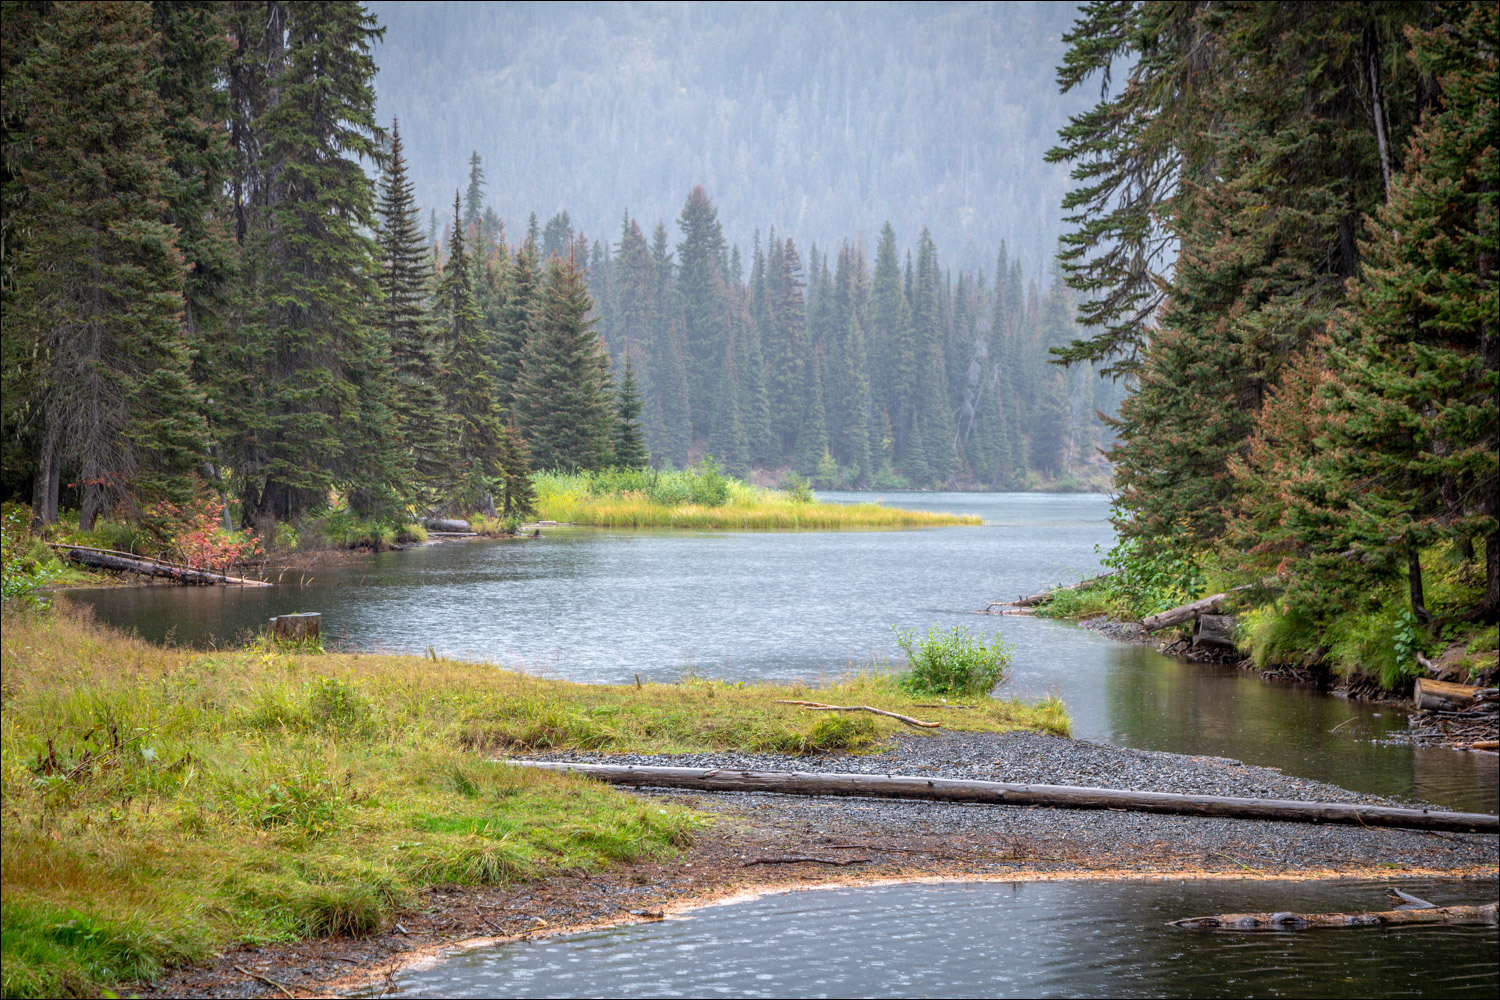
pixel 218 281
pixel 1285 224
pixel 822 120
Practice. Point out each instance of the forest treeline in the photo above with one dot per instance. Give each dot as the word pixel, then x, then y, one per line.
pixel 1285 225
pixel 206 289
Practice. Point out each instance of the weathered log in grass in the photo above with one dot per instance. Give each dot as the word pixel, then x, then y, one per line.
pixel 1285 921
pixel 129 562
pixel 1203 606
pixel 1005 793
pixel 818 706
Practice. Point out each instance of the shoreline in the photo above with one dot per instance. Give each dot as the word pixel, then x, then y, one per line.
pixel 751 847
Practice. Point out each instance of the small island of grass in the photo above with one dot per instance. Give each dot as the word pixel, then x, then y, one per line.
pixel 703 497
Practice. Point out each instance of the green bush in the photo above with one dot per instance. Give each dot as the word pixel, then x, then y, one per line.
pixel 709 486
pixel 25 565
pixel 953 662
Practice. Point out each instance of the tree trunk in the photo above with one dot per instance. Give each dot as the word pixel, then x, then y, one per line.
pixel 1003 793
pixel 44 487
pixel 1444 696
pixel 1414 582
pixel 304 627
pixel 1484 913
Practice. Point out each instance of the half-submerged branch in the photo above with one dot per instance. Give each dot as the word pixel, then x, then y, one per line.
pixel 1285 921
pixel 129 562
pixel 1004 793
pixel 1043 596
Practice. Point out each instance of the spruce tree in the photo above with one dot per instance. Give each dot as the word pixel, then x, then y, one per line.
pixel 422 424
pixel 467 380
pixel 629 439
pixel 812 440
pixel 668 377
pixel 564 403
pixel 99 279
pixel 515 324
pixel 786 346
pixel 474 196
pixel 701 291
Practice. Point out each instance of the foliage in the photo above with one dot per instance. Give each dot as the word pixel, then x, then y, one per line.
pixel 25 566
pixel 953 661
pixel 196 536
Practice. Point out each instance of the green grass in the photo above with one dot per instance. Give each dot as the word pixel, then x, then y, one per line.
pixel 703 499
pixel 161 804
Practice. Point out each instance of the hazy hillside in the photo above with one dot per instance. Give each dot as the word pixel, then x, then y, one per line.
pixel 820 120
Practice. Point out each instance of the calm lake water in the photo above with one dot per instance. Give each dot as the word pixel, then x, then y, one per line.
pixel 1039 939
pixel 603 606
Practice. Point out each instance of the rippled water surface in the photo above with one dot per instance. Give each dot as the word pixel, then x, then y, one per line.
pixel 1039 939
pixel 593 605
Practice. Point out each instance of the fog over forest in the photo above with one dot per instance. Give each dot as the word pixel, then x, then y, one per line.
pixel 824 121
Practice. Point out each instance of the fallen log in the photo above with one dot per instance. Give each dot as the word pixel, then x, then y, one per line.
pixel 1445 696
pixel 129 562
pixel 1214 631
pixel 1043 596
pixel 1004 793
pixel 818 706
pixel 1285 921
pixel 447 524
pixel 1203 606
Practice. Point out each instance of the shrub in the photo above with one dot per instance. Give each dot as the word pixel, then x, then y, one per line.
pixel 23 569
pixel 953 662
pixel 709 487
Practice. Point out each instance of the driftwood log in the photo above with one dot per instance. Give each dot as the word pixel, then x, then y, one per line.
pixel 1203 606
pixel 1005 793
pixel 1284 921
pixel 1214 631
pixel 1043 596
pixel 129 562
pixel 305 626
pixel 1444 696
pixel 818 706
pixel 451 525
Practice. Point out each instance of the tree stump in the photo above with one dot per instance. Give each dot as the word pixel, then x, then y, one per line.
pixel 304 627
pixel 1214 631
pixel 1443 696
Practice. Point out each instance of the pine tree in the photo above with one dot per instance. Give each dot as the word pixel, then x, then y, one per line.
pixel 519 496
pixel 891 344
pixel 785 343
pixel 99 279
pixel 474 196
pixel 812 440
pixel 421 419
pixel 931 382
pixel 564 401
pixel 668 377
pixel 515 324
pixel 629 440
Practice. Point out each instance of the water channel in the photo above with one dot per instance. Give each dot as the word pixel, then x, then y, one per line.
pixel 996 939
pixel 603 606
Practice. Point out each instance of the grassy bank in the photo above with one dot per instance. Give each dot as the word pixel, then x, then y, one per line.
pixel 703 498
pixel 163 803
pixel 1376 642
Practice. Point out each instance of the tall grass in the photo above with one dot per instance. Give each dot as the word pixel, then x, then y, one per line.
pixel 163 803
pixel 702 498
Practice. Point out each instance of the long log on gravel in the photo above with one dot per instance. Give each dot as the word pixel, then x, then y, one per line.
pixel 818 706
pixel 1004 793
pixel 1043 596
pixel 1284 921
pixel 129 562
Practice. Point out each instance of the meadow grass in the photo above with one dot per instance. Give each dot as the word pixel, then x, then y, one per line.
pixel 703 499
pixel 164 803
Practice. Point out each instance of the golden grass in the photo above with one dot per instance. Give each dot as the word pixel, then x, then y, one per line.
pixel 772 513
pixel 161 803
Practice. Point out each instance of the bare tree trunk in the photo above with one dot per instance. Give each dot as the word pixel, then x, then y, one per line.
pixel 1414 582
pixel 93 503
pixel 44 487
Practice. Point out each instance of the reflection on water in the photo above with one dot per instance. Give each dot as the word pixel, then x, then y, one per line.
pixel 593 605
pixel 1039 939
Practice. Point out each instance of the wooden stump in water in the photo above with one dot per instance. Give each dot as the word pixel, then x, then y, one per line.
pixel 304 627
pixel 1214 631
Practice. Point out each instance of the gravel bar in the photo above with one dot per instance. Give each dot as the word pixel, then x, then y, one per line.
pixel 1026 758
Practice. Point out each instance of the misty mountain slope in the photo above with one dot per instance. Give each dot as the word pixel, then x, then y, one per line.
pixel 823 120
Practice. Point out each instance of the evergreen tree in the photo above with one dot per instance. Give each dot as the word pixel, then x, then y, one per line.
pixel 557 238
pixel 786 345
pixel 931 383
pixel 812 441
pixel 892 345
pixel 474 196
pixel 99 279
pixel 564 402
pixel 467 380
pixel 420 416
pixel 515 324
pixel 519 499
pixel 668 376
pixel 629 441
pixel 703 297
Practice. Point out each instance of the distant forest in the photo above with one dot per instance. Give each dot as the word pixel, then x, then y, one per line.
pixel 822 120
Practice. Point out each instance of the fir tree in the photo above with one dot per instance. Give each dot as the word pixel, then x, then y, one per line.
pixel 519 497
pixel 629 441
pixel 786 345
pixel 564 400
pixel 100 280
pixel 701 291
pixel 420 416
pixel 474 196
pixel 515 324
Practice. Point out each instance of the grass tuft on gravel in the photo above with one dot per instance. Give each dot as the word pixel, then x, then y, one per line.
pixel 164 803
